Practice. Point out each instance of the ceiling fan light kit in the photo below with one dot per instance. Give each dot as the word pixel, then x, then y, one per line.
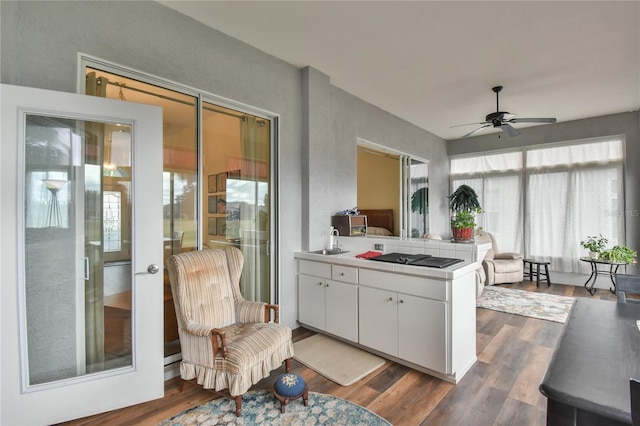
pixel 503 119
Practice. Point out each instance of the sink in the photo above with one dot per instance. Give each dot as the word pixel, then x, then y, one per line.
pixel 329 251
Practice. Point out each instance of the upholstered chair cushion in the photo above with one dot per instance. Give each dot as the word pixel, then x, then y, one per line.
pixel 500 267
pixel 208 303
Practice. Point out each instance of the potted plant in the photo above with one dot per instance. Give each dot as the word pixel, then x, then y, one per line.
pixel 595 245
pixel 619 254
pixel 465 205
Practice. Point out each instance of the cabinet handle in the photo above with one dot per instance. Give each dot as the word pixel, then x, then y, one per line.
pixel 401 301
pixel 320 283
pixel 327 284
pixel 342 274
pixel 391 299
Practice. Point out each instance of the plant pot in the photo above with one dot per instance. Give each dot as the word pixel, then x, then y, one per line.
pixel 593 255
pixel 462 234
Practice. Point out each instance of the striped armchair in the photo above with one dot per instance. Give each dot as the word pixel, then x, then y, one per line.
pixel 227 342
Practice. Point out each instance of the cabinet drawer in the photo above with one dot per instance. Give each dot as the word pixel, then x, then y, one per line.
pixel 346 274
pixel 408 284
pixel 318 269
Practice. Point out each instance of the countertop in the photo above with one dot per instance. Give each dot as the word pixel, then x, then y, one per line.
pixel 349 259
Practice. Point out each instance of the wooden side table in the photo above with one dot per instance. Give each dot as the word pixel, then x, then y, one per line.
pixel 540 276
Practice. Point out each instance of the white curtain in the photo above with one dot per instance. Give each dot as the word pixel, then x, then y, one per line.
pixel 573 192
pixel 254 229
pixel 497 179
pixel 542 202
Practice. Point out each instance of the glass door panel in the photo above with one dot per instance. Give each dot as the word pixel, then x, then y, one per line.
pixel 236 155
pixel 180 176
pixel 65 203
pixel 419 197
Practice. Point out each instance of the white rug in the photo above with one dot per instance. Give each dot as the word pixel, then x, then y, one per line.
pixel 337 361
pixel 544 306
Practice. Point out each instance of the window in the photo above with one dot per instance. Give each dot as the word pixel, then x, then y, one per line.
pixel 543 201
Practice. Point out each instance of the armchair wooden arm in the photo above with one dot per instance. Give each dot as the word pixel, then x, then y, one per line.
pixel 217 345
pixel 267 313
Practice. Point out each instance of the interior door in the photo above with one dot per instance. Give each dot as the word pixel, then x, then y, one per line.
pixel 81 194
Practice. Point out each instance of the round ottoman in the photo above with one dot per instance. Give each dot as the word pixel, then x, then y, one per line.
pixel 288 387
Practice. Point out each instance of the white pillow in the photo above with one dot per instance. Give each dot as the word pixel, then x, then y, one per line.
pixel 375 230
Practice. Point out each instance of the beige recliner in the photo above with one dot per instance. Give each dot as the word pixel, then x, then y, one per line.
pixel 500 267
pixel 227 342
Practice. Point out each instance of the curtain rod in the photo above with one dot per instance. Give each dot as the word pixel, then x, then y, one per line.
pixel 169 98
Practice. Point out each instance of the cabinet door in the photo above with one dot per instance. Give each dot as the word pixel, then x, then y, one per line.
pixel 422 332
pixel 342 310
pixel 311 305
pixel 378 319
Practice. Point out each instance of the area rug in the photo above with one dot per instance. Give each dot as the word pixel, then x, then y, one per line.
pixel 526 303
pixel 262 408
pixel 337 361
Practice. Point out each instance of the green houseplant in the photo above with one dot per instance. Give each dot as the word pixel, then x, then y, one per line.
pixel 595 245
pixel 619 254
pixel 465 205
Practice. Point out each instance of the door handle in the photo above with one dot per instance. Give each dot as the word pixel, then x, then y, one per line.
pixel 152 269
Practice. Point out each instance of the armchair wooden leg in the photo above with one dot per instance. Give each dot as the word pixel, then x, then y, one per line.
pixel 238 405
pixel 181 388
pixel 287 365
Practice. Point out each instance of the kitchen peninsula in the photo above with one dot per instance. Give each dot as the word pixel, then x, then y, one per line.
pixel 421 317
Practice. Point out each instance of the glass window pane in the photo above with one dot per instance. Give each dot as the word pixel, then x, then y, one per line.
pixel 236 170
pixel 180 174
pixel 67 215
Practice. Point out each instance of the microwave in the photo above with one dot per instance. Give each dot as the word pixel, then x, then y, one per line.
pixel 350 225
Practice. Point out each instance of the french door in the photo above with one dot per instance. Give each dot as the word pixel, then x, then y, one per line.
pixel 81 238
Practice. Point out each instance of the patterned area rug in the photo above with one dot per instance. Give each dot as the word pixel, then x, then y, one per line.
pixel 262 408
pixel 526 303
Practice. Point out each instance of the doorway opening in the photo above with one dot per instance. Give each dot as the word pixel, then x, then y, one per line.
pixel 388 179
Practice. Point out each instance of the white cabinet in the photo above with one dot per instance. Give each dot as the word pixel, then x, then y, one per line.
pixel 311 301
pixel 378 319
pixel 328 304
pixel 422 326
pixel 341 310
pixel 408 327
pixel 412 315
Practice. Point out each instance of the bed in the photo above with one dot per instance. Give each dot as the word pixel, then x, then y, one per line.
pixel 379 221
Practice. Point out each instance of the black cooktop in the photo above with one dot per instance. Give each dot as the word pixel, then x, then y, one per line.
pixel 417 260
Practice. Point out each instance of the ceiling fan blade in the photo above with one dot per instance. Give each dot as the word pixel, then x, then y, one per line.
pixel 511 131
pixel 473 132
pixel 532 120
pixel 468 124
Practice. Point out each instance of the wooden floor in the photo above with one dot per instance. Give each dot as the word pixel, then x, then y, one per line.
pixel 500 389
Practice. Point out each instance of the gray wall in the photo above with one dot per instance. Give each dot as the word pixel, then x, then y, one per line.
pixel 319 124
pixel 627 124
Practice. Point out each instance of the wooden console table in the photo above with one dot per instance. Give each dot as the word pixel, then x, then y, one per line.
pixel 587 382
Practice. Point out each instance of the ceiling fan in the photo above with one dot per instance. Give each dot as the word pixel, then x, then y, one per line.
pixel 503 119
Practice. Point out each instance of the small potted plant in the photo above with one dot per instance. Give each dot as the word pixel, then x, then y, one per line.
pixel 619 254
pixel 465 205
pixel 595 245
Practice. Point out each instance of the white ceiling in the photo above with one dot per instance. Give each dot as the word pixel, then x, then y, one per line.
pixel 434 63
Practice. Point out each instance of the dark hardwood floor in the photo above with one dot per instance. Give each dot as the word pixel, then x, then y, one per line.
pixel 500 389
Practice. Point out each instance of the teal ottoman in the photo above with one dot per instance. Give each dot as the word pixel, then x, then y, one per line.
pixel 288 387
